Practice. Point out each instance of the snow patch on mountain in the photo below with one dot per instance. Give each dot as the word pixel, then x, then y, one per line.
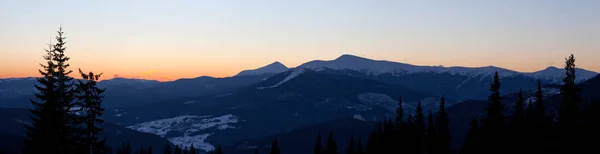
pixel 556 75
pixel 292 75
pixel 195 129
pixel 382 100
pixel 359 117
pixel 199 141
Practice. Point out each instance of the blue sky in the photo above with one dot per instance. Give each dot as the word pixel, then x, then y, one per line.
pixel 175 39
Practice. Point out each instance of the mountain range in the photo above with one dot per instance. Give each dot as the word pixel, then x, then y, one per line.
pixel 252 107
pixel 457 83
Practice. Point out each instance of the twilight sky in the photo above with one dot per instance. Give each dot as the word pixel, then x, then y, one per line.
pixel 166 40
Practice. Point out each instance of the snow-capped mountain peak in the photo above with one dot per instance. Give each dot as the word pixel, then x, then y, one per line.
pixel 370 66
pixel 556 74
pixel 275 67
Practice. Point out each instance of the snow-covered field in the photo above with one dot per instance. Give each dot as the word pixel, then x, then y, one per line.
pixel 194 129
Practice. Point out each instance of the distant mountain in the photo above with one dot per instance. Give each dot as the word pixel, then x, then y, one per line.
pixel 282 103
pixel 15 93
pixel 458 83
pixel 138 83
pixel 13 131
pixel 555 75
pixel 272 68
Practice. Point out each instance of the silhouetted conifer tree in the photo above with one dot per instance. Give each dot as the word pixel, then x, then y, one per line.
pixel 493 129
pixel 219 149
pixel 568 111
pixel 178 150
pixel 318 145
pixel 472 145
pixel 275 147
pixel 443 126
pixel 359 146
pixel 52 123
pixel 432 139
pixel 519 130
pixel 351 149
pixel 372 143
pixel 192 149
pixel 419 128
pixel 331 145
pixel 167 149
pixel 89 98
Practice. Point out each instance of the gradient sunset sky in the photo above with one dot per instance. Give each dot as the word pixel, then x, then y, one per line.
pixel 166 40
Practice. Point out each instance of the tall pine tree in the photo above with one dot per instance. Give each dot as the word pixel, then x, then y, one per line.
pixel 167 149
pixel 275 147
pixel 431 141
pixel 192 149
pixel 89 98
pixel 419 128
pixel 519 130
pixel 318 145
pixel 351 149
pixel 494 125
pixel 331 145
pixel 52 128
pixel 442 122
pixel 568 110
pixel 359 146
pixel 472 141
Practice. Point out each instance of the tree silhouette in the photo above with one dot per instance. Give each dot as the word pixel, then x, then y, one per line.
pixel 331 145
pixel 494 125
pixel 351 149
pixel 443 126
pixel 51 129
pixel 567 116
pixel 318 145
pixel 89 98
pixel 275 147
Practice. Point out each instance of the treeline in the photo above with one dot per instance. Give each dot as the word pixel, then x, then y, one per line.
pixel 573 128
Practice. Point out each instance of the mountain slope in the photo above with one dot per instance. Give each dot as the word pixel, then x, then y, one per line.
pixel 458 83
pixel 272 68
pixel 282 103
pixel 13 131
pixel 15 93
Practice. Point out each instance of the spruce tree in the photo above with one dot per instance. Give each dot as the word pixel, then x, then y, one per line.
pixel 568 110
pixel 89 98
pixel 351 149
pixel 419 128
pixel 472 141
pixel 518 127
pixel 219 149
pixel 177 150
pixel 359 146
pixel 442 122
pixel 275 147
pixel 52 128
pixel 493 129
pixel 399 113
pixel 431 141
pixel 318 145
pixel 192 149
pixel 331 145
pixel 371 147
pixel 167 149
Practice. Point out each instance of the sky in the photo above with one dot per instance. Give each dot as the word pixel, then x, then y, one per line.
pixel 166 40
